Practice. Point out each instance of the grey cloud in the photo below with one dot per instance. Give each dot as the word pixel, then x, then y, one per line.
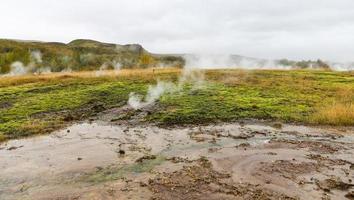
pixel 296 29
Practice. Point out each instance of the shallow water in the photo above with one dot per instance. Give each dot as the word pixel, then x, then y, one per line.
pixel 55 165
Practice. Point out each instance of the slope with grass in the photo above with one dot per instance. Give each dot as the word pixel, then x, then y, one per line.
pixel 79 55
pixel 40 104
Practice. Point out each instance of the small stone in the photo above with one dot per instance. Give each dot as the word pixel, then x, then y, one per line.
pixel 142 184
pixel 121 152
pixel 14 148
pixel 351 167
pixel 350 195
pixel 272 153
pixel 278 125
pixel 79 158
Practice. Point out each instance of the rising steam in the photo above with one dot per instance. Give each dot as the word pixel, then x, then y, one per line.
pixel 193 76
pixel 105 66
pixel 153 94
pixel 17 68
pixel 212 61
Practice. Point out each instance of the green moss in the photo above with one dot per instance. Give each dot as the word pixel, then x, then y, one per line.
pixel 270 95
pixel 36 107
pixel 40 108
pixel 115 173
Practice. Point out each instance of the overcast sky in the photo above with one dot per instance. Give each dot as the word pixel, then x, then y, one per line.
pixel 295 29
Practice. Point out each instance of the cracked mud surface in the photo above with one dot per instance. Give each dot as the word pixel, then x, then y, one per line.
pixel 110 160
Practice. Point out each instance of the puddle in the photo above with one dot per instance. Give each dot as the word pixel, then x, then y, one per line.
pixel 104 161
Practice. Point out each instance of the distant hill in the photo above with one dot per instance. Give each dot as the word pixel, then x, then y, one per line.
pixel 24 56
pixel 81 54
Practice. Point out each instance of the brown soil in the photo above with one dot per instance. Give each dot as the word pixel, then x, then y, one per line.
pixel 200 181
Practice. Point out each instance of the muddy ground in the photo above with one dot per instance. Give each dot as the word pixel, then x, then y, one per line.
pixel 105 158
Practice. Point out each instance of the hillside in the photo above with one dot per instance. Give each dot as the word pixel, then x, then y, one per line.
pixel 33 56
pixel 21 57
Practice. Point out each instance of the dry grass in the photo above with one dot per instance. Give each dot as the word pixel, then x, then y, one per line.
pixel 335 114
pixel 339 112
pixel 124 73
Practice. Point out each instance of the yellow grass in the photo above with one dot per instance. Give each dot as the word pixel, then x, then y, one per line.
pixel 31 78
pixel 340 112
pixel 335 114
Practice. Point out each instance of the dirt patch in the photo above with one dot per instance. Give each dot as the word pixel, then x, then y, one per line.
pixel 333 183
pixel 316 146
pixel 288 169
pixel 5 105
pixel 200 181
pixel 325 161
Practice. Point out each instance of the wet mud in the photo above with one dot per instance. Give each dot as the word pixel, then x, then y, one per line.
pixel 113 159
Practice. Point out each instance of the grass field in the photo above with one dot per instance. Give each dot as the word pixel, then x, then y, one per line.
pixel 40 104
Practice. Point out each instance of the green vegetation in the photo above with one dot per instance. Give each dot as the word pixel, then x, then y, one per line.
pixel 305 64
pixel 115 173
pixel 291 96
pixel 40 104
pixel 80 55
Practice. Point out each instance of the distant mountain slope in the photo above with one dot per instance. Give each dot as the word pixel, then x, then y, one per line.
pixel 21 57
pixel 81 54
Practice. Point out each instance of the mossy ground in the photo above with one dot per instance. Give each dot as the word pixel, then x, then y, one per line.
pixel 115 173
pixel 40 104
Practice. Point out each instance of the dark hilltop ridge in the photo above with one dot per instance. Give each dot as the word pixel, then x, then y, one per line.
pixel 80 54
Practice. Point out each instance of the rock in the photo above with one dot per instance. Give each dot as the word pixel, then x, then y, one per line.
pixel 350 195
pixel 243 145
pixel 272 153
pixel 142 184
pixel 277 125
pixel 121 152
pixel 146 157
pixel 79 158
pixel 213 150
pixel 14 148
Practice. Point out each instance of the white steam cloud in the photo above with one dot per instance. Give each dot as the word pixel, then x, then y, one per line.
pixel 37 56
pixel 17 68
pixel 153 94
pixel 212 61
pixel 105 66
pixel 341 66
pixel 193 76
pixel 101 70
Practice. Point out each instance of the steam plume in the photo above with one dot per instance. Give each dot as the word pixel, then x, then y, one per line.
pixel 17 68
pixel 212 61
pixel 194 76
pixel 153 94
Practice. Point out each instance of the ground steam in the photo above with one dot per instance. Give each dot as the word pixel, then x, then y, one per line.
pixel 193 76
